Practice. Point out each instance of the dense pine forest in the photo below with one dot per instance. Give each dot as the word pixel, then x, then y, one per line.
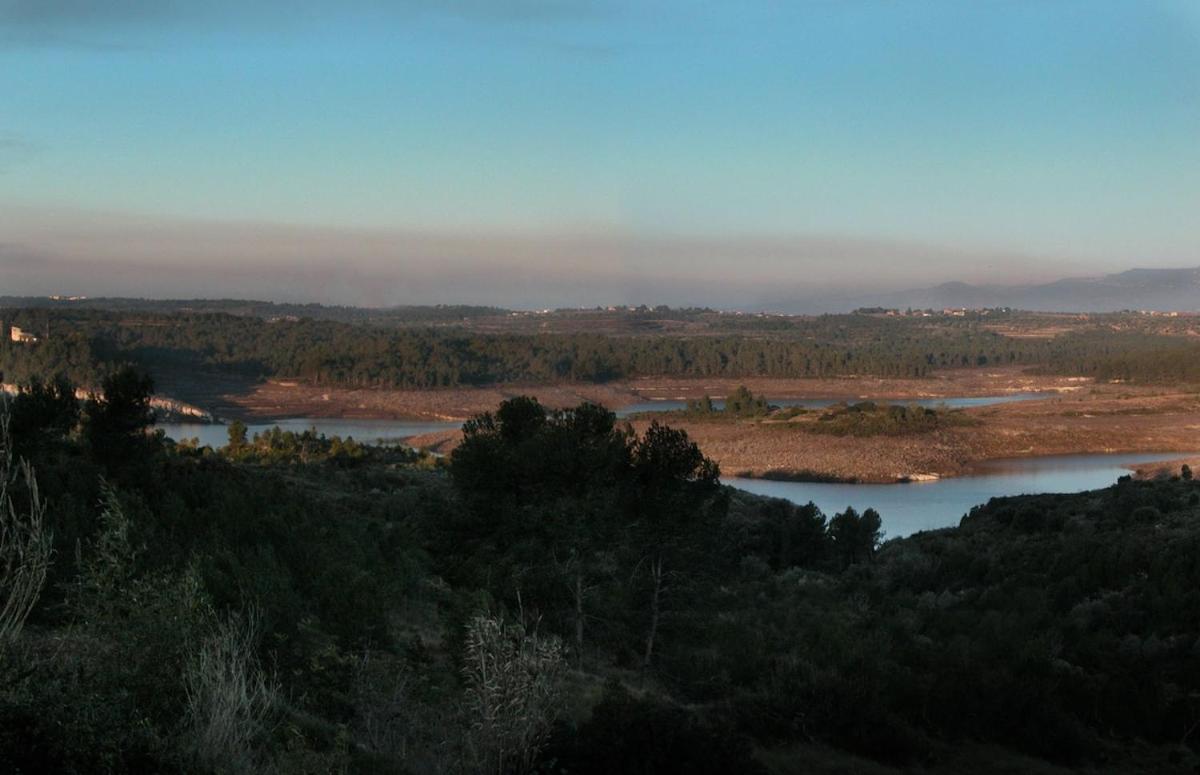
pixel 85 344
pixel 561 596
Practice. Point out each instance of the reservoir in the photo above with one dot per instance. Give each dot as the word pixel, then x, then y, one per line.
pixel 915 506
pixel 905 508
pixel 959 402
pixel 363 431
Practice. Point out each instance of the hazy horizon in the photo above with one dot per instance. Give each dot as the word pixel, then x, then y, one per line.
pixel 543 153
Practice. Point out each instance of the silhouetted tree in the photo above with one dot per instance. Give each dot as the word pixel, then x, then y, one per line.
pixel 855 537
pixel 674 481
pixel 116 421
pixel 43 411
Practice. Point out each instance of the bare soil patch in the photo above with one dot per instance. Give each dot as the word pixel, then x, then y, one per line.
pixel 282 398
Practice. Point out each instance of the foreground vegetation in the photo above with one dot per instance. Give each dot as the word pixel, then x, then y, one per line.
pixel 561 596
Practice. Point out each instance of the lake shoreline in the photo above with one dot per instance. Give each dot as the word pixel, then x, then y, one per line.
pixel 942 503
pixel 1067 415
pixel 289 398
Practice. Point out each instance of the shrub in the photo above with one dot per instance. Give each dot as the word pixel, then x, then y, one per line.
pixel 641 734
pixel 867 418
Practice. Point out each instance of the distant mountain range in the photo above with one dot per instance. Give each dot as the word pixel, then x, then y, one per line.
pixel 1137 289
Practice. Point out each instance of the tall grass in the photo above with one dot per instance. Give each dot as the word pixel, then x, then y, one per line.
pixel 26 544
pixel 231 701
pixel 513 676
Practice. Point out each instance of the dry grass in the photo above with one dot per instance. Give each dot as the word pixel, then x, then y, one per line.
pixel 231 700
pixel 25 541
pixel 513 678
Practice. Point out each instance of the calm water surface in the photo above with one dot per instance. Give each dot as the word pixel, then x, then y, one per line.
pixel 670 404
pixel 909 508
pixel 367 431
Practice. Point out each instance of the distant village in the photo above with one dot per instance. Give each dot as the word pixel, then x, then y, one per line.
pixel 953 312
pixel 962 312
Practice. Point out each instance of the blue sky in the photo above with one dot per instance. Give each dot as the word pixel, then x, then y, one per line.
pixel 729 152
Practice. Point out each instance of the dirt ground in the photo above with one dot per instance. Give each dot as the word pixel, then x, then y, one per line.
pixel 1093 421
pixel 1167 468
pixel 277 400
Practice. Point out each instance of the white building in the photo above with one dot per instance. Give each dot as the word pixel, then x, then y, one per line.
pixel 24 337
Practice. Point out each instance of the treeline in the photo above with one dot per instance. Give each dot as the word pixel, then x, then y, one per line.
pixel 85 344
pixel 1161 362
pixel 383 316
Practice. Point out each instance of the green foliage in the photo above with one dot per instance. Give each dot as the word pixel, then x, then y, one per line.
pixel 579 515
pixel 785 535
pixel 644 734
pixel 741 403
pixel 87 344
pixel 116 420
pixel 186 536
pixel 43 412
pixel 855 537
pixel 1158 361
pixel 237 436
pixel 277 446
pixel 1060 626
pixel 1054 624
pixel 867 418
pixel 108 697
pixel 700 407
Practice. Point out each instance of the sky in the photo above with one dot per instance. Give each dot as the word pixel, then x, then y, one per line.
pixel 563 152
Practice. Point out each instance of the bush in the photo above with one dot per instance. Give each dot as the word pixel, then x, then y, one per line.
pixel 653 737
pixel 867 418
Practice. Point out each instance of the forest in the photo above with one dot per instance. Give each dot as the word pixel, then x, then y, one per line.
pixel 561 595
pixel 85 344
pixel 267 310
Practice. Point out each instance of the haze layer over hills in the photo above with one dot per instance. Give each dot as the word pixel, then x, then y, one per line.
pixel 1162 290
pixel 1140 289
